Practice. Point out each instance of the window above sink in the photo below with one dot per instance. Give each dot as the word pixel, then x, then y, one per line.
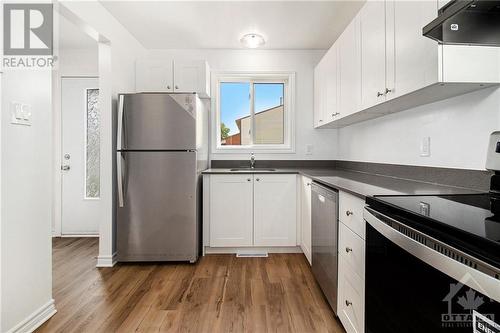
pixel 253 112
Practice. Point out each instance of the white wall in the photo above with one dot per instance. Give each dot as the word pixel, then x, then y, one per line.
pixel 26 249
pixel 301 62
pixel 459 129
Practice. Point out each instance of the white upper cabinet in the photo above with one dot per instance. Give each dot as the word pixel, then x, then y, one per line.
pixel 416 57
pixel 326 88
pixel 349 44
pixel 386 65
pixel 275 210
pixel 373 46
pixel 155 74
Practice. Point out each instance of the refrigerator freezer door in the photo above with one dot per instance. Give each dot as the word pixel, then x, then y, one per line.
pixel 158 220
pixel 157 122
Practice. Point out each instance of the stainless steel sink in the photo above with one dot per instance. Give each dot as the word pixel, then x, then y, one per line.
pixel 252 170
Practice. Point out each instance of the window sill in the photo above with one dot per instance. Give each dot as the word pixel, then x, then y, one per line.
pixel 254 149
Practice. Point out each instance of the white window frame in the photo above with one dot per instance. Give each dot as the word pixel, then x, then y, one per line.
pixel 287 78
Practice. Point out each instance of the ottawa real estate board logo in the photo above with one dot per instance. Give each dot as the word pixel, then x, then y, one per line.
pixel 28 30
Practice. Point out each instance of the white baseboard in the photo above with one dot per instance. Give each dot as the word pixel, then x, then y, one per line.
pixel 36 319
pixel 106 261
pixel 79 235
pixel 235 250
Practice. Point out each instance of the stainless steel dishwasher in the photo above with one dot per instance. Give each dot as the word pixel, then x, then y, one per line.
pixel 325 240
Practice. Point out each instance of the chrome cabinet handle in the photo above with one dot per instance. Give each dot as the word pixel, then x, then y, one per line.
pixel 176 87
pixel 258 179
pixel 349 213
pixel 379 94
pixel 168 87
pixel 65 167
pixel 348 249
pixel 308 184
pixel 387 90
pixel 335 114
pixel 249 179
pixel 348 303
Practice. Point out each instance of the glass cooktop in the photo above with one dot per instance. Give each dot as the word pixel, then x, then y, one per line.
pixel 469 213
pixel 463 221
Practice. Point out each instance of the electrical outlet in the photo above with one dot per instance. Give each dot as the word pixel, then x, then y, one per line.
pixel 309 149
pixel 425 147
pixel 20 114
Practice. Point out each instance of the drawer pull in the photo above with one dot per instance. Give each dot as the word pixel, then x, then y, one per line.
pixel 348 303
pixel 349 213
pixel 249 179
pixel 348 249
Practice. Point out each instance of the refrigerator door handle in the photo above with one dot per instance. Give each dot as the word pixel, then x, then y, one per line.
pixel 119 180
pixel 119 130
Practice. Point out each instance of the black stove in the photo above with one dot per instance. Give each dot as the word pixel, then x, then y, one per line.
pixel 462 221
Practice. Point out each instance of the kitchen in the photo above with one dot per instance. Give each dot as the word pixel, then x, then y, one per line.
pixel 336 176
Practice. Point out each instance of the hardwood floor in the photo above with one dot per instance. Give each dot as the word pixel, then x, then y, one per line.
pixel 221 293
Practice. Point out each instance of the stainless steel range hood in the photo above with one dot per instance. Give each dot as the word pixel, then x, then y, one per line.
pixel 467 22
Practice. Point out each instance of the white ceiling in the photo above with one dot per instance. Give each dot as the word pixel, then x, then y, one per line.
pixel 220 24
pixel 71 37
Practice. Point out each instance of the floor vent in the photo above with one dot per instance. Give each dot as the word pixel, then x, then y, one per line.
pixel 252 255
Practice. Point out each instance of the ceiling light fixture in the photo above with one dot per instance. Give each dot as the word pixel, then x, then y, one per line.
pixel 252 41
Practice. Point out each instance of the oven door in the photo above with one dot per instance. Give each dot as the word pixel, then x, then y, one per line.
pixel 411 287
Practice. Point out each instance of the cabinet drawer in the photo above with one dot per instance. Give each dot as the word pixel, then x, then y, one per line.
pixel 351 212
pixel 351 301
pixel 352 248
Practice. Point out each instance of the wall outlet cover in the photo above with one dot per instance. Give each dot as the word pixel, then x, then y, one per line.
pixel 425 147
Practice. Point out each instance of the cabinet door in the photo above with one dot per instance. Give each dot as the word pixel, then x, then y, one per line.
pixel 330 111
pixel 231 210
pixel 305 217
pixel 350 69
pixel 415 56
pixel 191 76
pixel 351 301
pixel 154 75
pixel 275 210
pixel 319 93
pixel 372 18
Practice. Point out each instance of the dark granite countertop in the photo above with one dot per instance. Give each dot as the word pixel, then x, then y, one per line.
pixel 359 183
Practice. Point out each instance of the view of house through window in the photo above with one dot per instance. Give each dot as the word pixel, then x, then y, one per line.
pixel 252 113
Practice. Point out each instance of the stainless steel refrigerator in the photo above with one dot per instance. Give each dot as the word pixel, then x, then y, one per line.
pixel 161 151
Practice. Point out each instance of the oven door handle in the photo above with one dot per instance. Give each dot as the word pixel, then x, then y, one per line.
pixel 464 274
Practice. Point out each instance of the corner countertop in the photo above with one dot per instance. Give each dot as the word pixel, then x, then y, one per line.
pixel 360 184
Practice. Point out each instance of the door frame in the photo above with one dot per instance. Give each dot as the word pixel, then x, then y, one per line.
pixel 58 140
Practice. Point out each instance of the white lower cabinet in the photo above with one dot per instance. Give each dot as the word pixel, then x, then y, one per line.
pixel 252 210
pixel 231 210
pixel 351 275
pixel 275 210
pixel 305 216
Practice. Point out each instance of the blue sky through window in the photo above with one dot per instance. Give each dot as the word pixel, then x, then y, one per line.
pixel 235 104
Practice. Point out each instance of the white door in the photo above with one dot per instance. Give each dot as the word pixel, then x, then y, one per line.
pixel 372 18
pixel 275 210
pixel 80 156
pixel 231 210
pixel 350 69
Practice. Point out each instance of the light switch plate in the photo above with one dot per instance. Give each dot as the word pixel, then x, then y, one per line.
pixel 20 114
pixel 425 147
pixel 309 149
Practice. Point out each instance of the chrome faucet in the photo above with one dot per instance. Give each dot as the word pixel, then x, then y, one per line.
pixel 252 161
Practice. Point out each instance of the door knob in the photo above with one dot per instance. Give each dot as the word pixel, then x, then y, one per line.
pixel 65 167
